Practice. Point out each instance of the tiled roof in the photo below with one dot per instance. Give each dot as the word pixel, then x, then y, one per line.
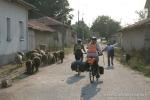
pixel 35 24
pixel 137 25
pixel 23 3
pixel 49 21
pixel 147 3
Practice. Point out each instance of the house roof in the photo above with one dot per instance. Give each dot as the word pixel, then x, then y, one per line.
pixel 49 21
pixel 35 24
pixel 136 25
pixel 147 3
pixel 23 3
pixel 52 22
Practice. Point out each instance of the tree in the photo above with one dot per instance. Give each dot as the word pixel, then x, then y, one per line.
pixel 142 14
pixel 104 26
pixel 82 29
pixel 58 9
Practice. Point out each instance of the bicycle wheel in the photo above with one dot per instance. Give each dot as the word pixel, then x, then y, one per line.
pixel 91 76
pixel 78 70
pixel 97 74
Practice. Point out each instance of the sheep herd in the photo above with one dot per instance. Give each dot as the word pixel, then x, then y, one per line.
pixel 36 58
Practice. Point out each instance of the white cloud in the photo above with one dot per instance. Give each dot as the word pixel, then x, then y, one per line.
pixel 123 10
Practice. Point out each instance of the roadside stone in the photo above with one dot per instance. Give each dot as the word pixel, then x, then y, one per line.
pixel 5 83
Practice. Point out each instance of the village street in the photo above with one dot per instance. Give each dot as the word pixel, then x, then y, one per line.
pixel 58 82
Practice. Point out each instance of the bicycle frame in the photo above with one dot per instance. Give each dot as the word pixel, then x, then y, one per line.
pixel 92 62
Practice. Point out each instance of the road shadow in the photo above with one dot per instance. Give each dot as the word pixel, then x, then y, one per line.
pixel 90 90
pixel 23 76
pixel 74 79
pixel 109 68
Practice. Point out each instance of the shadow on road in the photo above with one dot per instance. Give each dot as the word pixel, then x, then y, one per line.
pixel 24 75
pixel 109 68
pixel 90 90
pixel 74 79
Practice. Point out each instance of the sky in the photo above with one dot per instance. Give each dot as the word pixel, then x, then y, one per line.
pixel 119 10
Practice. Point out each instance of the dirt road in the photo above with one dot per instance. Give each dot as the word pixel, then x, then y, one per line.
pixel 58 82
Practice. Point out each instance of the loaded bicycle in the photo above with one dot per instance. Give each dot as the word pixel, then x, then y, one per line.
pixel 94 69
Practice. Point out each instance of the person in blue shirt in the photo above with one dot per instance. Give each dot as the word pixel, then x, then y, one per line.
pixel 110 54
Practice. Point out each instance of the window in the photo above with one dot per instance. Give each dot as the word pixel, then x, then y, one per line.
pixel 8 29
pixel 21 28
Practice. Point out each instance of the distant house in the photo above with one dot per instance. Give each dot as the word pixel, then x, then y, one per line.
pixel 40 34
pixel 147 6
pixel 136 36
pixel 13 28
pixel 65 31
pixel 115 38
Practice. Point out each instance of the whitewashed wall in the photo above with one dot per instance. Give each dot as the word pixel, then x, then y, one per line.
pixel 31 40
pixel 16 14
pixel 133 40
pixel 147 37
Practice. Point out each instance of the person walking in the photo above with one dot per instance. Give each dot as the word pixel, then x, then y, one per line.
pixel 78 50
pixel 110 54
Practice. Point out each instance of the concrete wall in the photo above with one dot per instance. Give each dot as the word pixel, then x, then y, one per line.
pixel 31 40
pixel 147 37
pixel 51 40
pixel 115 37
pixel 133 39
pixel 67 38
pixel 16 14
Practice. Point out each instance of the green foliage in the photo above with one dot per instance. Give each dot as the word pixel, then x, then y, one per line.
pixel 105 26
pixel 58 9
pixel 141 14
pixel 82 29
pixel 68 50
pixel 138 62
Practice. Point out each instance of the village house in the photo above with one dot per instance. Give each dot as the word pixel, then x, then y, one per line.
pixel 13 28
pixel 64 31
pixel 136 36
pixel 115 38
pixel 147 6
pixel 41 34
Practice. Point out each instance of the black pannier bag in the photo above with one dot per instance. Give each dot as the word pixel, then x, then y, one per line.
pixel 101 69
pixel 81 65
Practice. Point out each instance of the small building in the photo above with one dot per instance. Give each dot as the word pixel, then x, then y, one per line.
pixel 147 6
pixel 64 31
pixel 13 28
pixel 136 36
pixel 115 38
pixel 41 34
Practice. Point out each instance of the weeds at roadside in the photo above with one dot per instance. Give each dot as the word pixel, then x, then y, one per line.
pixel 139 61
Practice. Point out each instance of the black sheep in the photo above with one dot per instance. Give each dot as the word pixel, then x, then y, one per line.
pixel 56 56
pixel 44 59
pixel 29 67
pixel 62 55
pixel 36 63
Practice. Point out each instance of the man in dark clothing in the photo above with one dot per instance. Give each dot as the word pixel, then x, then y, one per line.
pixel 110 53
pixel 78 50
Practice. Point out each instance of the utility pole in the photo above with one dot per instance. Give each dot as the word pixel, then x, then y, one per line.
pixel 83 27
pixel 78 24
pixel 62 28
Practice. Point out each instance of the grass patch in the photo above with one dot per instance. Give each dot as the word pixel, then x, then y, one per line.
pixel 68 50
pixel 118 54
pixel 137 62
pixel 8 69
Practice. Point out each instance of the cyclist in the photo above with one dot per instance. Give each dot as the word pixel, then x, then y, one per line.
pixel 78 50
pixel 93 51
